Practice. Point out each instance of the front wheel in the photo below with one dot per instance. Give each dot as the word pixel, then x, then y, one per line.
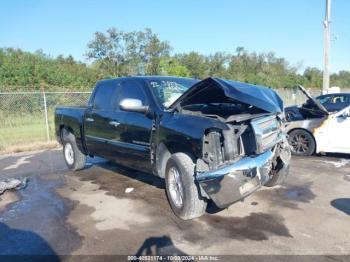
pixel 302 143
pixel 182 189
pixel 74 158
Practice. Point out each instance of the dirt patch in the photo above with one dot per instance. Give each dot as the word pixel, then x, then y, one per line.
pixel 113 222
pixel 114 180
pixel 108 212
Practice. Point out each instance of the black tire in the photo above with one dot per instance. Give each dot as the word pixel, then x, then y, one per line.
pixel 78 159
pixel 193 205
pixel 301 142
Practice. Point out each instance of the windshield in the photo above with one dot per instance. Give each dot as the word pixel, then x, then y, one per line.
pixel 167 90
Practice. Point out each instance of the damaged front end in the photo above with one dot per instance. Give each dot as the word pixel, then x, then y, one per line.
pixel 262 153
pixel 249 150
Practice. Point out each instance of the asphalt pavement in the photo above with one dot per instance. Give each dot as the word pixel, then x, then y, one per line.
pixel 107 209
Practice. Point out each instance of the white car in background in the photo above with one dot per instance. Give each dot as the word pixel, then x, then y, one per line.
pixel 313 129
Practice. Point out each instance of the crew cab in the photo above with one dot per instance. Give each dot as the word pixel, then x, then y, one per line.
pixel 211 140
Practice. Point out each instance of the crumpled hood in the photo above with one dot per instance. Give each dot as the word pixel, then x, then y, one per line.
pixel 217 90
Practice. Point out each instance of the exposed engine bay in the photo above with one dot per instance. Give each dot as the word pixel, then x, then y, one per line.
pixel 247 149
pixel 311 109
pixel 245 136
pixel 251 147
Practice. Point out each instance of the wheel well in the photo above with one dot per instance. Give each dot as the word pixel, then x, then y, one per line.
pixel 164 153
pixel 64 128
pixel 307 131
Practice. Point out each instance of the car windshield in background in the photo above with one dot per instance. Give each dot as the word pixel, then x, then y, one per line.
pixel 323 99
pixel 169 89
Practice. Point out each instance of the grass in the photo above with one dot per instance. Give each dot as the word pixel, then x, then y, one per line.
pixel 22 118
pixel 29 147
pixel 24 130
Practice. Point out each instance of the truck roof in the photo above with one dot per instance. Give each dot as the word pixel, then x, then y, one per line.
pixel 149 77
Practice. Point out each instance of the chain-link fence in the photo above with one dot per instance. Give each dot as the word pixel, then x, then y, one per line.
pixel 28 117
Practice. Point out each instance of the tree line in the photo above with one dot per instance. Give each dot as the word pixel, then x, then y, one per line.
pixel 116 53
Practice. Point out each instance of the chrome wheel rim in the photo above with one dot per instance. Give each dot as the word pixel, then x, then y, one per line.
pixel 300 143
pixel 69 153
pixel 175 187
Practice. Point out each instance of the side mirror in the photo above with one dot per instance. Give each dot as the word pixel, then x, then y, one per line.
pixel 133 105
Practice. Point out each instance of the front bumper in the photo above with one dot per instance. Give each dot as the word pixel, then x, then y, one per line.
pixel 237 180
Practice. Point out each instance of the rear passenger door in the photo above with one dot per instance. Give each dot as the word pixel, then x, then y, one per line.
pixel 101 122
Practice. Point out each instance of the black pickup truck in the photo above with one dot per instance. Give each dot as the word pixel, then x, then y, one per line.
pixel 211 140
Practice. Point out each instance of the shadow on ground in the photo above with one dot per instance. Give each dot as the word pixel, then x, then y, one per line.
pixel 159 246
pixel 125 172
pixel 335 155
pixel 342 204
pixel 22 242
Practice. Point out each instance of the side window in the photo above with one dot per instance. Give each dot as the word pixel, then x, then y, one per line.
pixel 347 99
pixel 105 96
pixel 132 89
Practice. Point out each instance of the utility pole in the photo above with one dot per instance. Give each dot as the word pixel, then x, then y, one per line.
pixel 326 69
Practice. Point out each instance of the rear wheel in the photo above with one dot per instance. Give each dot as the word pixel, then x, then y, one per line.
pixel 302 143
pixel 74 158
pixel 181 187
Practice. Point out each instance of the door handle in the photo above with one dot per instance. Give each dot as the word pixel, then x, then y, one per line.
pixel 88 119
pixel 114 123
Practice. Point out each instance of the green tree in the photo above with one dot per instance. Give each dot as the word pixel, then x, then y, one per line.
pixel 314 77
pixel 172 67
pixel 119 53
pixel 108 49
pixel 116 53
pixel 195 64
pixel 341 79
pixel 21 70
pixel 217 64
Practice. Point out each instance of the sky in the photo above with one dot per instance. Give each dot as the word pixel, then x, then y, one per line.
pixel 291 28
